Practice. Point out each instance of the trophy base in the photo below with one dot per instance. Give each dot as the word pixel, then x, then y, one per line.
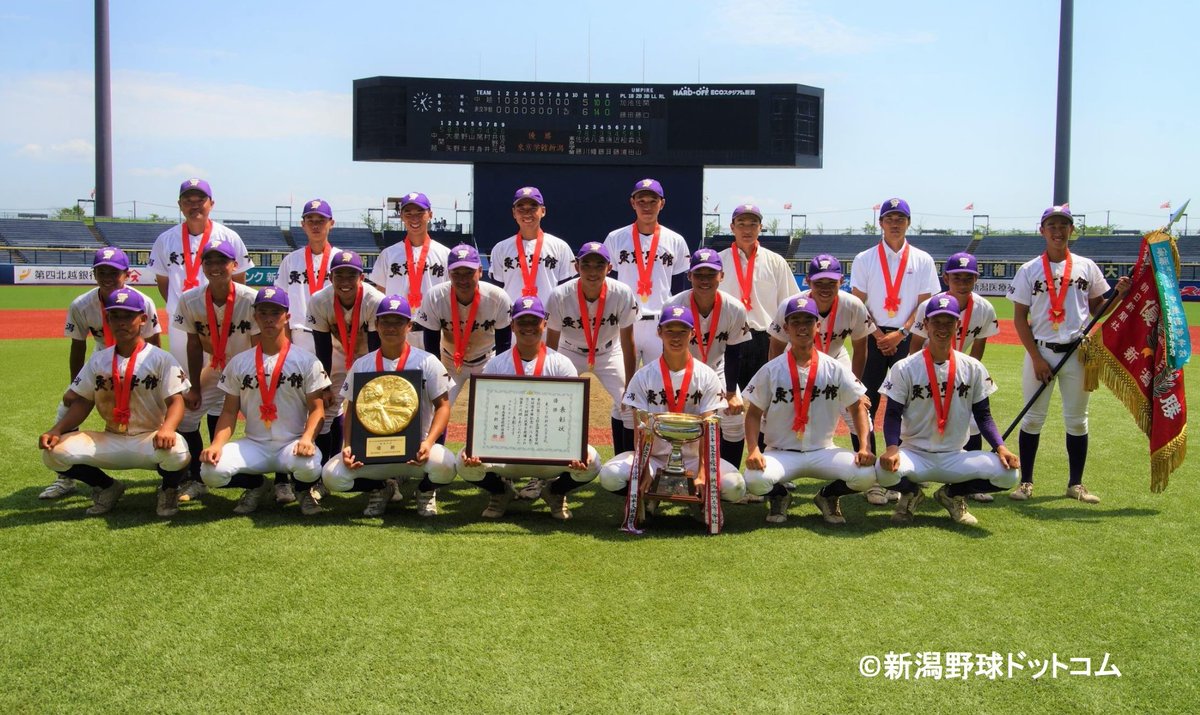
pixel 674 486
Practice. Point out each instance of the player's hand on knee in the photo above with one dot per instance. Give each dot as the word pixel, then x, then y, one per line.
pixel 890 460
pixel 48 440
pixel 576 465
pixel 422 455
pixel 164 439
pixel 349 460
pixel 864 457
pixel 191 398
pixel 1007 458
pixel 470 461
pixel 210 455
pixel 756 460
pixel 304 448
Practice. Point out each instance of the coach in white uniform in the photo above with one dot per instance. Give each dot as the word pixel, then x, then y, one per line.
pixel 932 396
pixel 138 390
pixel 417 254
pixel 305 271
pixel 532 262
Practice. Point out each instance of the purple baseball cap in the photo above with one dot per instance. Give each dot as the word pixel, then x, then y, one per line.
pixel 747 209
pixel 1063 210
pixel 346 259
pixel 800 304
pixel 318 206
pixel 528 192
pixel 416 197
pixel 125 299
pixel 463 256
pixel 195 185
pixel 676 314
pixel 890 206
pixel 221 246
pixel 273 296
pixel 394 305
pixel 650 185
pixel 942 304
pixel 706 258
pixel 528 305
pixel 961 262
pixel 592 248
pixel 111 256
pixel 824 265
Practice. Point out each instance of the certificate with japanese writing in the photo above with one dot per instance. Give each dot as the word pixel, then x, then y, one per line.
pixel 528 420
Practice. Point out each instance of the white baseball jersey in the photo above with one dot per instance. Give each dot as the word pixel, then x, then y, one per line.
pixel 647 392
pixel 562 314
pixel 554 266
pixel 771 391
pixel 672 258
pixel 292 278
pixel 731 328
pixel 390 271
pixel 556 365
pixel 156 376
pixel 908 383
pixel 771 283
pixel 301 376
pixel 191 316
pixel 983 323
pixel 852 321
pixel 436 379
pixel 920 276
pixel 493 313
pixel 85 316
pixel 166 258
pixel 1028 288
pixel 322 317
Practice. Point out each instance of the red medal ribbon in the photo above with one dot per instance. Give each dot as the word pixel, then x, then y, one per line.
pixel 702 346
pixel 800 400
pixel 417 270
pixel 591 326
pixel 537 368
pixel 267 389
pixel 219 334
pixel 1058 296
pixel 529 275
pixel 891 302
pixel 745 280
pixel 941 403
pixel 399 363
pixel 109 340
pixel 645 269
pixel 191 261
pixel 829 321
pixel 676 401
pixel 123 387
pixel 349 337
pixel 963 331
pixel 315 283
pixel 462 331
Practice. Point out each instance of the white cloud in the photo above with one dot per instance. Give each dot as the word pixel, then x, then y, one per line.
pixel 71 149
pixel 784 23
pixel 173 171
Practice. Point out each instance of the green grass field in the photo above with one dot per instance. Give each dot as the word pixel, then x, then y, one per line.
pixel 211 612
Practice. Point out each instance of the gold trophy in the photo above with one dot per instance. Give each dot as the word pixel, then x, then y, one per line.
pixel 677 429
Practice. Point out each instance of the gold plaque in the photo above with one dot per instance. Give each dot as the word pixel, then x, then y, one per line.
pixel 386 405
pixel 385 446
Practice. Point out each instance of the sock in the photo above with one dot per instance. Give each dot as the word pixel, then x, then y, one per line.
pixel 904 486
pixel 492 483
pixel 171 480
pixel 777 491
pixel 246 481
pixel 974 444
pixel 618 436
pixel 971 486
pixel 335 434
pixel 1077 445
pixel 732 452
pixel 365 485
pixel 836 488
pixel 563 483
pixel 1027 446
pixel 426 485
pixel 211 421
pixel 89 475
pixel 195 447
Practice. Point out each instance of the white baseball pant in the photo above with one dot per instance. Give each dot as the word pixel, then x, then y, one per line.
pixel 439 468
pixel 248 456
pixel 826 464
pixel 614 475
pixel 107 450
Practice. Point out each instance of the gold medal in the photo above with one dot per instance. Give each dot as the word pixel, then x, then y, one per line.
pixel 122 427
pixel 644 298
pixel 267 423
pixel 891 314
pixel 386 404
pixel 800 434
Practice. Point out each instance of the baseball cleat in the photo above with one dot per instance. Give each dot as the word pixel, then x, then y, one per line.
pixel 778 507
pixel 557 503
pixel 1023 492
pixel 103 500
pixel 248 503
pixel 877 496
pixel 427 503
pixel 957 506
pixel 284 493
pixel 60 488
pixel 531 491
pixel 377 500
pixel 498 503
pixel 906 508
pixel 982 497
pixel 168 502
pixel 308 502
pixel 191 491
pixel 830 508
pixel 397 497
pixel 1080 492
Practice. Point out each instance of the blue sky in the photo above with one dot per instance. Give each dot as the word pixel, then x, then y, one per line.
pixel 943 103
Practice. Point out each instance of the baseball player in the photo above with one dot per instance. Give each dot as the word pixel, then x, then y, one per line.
pixel 590 321
pixel 796 399
pixel 463 317
pixel 433 463
pixel 1053 296
pixel 652 259
pixel 675 382
pixel 891 278
pixel 719 334
pixel 341 317
pixel 978 323
pixel 86 316
pixel 218 319
pixel 138 390
pixel 416 255
pixel 529 357
pixel 175 257
pixel 280 390
pixel 532 262
pixel 932 395
pixel 762 280
pixel 305 271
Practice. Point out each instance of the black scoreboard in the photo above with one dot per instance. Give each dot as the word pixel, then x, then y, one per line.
pixel 476 121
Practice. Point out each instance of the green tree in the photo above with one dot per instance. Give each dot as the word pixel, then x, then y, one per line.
pixel 772 226
pixel 711 228
pixel 73 213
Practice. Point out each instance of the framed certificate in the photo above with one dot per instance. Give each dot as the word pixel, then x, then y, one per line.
pixel 528 420
pixel 385 422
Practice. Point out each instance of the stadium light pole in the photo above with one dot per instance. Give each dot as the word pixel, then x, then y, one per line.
pixel 103 205
pixel 987 223
pixel 1062 129
pixel 792 224
pixel 289 214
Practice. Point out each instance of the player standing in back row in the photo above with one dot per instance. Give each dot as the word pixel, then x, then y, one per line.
pixel 417 255
pixel 532 262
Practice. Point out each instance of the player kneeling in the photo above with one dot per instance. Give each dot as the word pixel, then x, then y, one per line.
pixel 529 357
pixel 799 432
pixel 433 463
pixel 932 396
pixel 279 388
pixel 138 390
